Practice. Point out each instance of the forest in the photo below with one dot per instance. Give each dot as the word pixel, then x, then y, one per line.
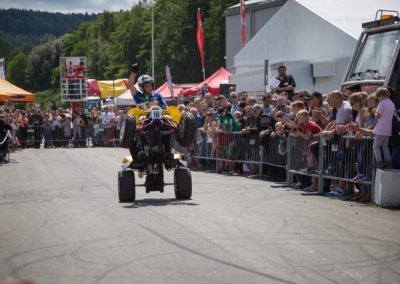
pixel 21 27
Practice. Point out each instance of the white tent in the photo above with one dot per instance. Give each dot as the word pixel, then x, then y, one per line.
pixel 314 39
pixel 125 99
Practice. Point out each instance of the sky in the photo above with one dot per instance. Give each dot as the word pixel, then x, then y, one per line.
pixel 69 6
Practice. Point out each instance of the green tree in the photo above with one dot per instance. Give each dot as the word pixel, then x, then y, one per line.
pixel 16 69
pixel 214 33
pixel 42 60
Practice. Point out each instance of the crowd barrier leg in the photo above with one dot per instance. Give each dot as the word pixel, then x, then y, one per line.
pixel 289 175
pixel 321 152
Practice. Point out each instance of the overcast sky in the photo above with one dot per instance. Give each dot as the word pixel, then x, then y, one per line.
pixel 69 6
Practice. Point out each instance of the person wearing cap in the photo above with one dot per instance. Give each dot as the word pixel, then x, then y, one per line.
pixel 318 114
pixel 287 82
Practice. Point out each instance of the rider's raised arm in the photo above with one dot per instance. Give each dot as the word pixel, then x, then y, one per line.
pixel 132 79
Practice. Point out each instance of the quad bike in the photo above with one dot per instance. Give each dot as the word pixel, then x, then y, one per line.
pixel 148 136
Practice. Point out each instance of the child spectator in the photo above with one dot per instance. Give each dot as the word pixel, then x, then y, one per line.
pixel 383 129
pixel 309 128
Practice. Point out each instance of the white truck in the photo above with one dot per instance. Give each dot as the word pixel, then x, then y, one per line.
pixel 376 60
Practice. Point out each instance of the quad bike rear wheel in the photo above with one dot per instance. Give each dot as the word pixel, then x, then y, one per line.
pixel 126 186
pixel 129 132
pixel 182 184
pixel 186 130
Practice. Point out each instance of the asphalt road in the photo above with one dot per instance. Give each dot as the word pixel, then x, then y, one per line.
pixel 61 223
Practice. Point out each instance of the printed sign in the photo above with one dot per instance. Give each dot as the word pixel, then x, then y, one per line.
pixel 2 68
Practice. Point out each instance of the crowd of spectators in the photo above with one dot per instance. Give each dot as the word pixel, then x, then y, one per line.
pixel 238 128
pixel 63 128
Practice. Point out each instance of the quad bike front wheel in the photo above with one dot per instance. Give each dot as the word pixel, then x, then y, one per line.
pixel 126 186
pixel 129 132
pixel 182 184
pixel 186 130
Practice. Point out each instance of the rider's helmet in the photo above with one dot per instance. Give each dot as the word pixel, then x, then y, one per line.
pixel 145 79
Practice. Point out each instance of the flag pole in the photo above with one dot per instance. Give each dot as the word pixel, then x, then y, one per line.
pixel 200 42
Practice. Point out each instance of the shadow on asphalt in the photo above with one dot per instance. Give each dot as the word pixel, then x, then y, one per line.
pixel 160 202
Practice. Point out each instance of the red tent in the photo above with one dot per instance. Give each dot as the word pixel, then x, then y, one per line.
pixel 213 82
pixel 164 91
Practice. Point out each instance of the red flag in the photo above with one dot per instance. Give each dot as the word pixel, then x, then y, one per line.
pixel 243 21
pixel 200 41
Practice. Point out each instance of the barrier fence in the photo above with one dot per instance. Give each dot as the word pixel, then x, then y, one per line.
pixel 341 158
pixel 285 158
pixel 82 136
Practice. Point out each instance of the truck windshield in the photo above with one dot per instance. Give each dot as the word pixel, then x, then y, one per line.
pixel 376 56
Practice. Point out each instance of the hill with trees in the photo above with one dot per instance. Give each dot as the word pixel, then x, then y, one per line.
pixel 117 39
pixel 20 27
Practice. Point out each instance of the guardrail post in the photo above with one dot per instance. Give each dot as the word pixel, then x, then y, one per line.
pixel 288 161
pixel 321 164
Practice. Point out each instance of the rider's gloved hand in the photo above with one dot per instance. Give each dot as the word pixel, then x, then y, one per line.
pixel 135 67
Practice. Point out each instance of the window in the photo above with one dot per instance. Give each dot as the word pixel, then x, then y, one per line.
pixel 376 55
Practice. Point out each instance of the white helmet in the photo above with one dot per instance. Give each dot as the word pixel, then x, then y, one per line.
pixel 145 79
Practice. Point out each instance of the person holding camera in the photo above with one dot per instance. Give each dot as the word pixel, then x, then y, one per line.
pixel 145 95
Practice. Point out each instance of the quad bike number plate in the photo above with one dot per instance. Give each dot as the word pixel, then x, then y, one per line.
pixel 156 114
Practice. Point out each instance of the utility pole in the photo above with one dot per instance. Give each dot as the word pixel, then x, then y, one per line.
pixel 152 40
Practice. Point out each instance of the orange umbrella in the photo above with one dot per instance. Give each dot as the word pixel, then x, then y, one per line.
pixel 11 93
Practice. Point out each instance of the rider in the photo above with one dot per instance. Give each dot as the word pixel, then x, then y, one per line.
pixel 146 93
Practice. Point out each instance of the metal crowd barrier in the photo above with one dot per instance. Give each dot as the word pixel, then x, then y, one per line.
pixel 340 158
pixel 346 157
pixel 59 136
pixel 213 149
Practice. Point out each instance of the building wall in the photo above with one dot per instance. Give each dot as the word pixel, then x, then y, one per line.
pixel 255 20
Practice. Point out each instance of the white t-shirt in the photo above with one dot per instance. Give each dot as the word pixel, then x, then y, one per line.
pixel 106 118
pixel 344 114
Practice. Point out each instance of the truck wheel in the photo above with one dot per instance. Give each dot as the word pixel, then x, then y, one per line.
pixel 126 186
pixel 186 130
pixel 129 132
pixel 183 184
